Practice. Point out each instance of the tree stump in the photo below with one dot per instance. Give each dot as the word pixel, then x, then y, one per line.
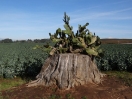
pixel 68 70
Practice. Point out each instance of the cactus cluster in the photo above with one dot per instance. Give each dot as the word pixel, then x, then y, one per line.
pixel 66 41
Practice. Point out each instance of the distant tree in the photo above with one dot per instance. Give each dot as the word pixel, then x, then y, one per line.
pixel 29 40
pixel 22 41
pixel 37 41
pixel 44 40
pixel 7 40
pixel 41 40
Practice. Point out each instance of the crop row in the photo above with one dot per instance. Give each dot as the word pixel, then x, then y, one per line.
pixel 20 59
pixel 116 57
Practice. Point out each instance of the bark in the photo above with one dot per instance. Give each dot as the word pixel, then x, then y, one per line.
pixel 67 71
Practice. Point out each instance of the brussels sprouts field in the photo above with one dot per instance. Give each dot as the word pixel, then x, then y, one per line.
pixel 20 59
pixel 116 57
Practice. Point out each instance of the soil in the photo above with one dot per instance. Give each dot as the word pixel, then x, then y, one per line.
pixel 110 88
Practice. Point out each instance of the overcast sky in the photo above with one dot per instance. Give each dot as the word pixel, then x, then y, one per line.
pixel 34 19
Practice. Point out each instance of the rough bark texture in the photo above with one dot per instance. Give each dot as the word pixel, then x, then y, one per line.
pixel 67 71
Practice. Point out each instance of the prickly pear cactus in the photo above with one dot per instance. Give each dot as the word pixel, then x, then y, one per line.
pixel 83 41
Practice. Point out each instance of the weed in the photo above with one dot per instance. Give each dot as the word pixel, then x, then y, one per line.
pixel 126 77
pixel 84 97
pixel 69 96
pixel 54 97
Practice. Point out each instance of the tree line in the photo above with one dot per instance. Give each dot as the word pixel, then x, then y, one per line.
pixel 104 41
pixel 7 40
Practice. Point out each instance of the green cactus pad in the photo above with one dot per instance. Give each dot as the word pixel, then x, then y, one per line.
pixel 83 41
pixel 91 52
pixel 93 39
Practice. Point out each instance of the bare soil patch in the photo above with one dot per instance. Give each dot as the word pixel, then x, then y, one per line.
pixel 110 88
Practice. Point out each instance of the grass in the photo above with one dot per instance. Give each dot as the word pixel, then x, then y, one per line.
pixel 126 77
pixel 1 97
pixel 6 84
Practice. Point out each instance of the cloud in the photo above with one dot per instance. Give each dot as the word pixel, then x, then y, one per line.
pixel 105 22
pixel 100 17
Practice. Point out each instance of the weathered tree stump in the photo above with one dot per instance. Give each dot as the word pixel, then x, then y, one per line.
pixel 68 70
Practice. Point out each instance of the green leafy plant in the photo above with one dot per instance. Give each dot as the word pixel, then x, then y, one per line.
pixel 20 60
pixel 84 97
pixel 69 96
pixel 118 57
pixel 55 97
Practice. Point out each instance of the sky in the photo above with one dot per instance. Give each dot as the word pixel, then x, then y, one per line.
pixel 35 19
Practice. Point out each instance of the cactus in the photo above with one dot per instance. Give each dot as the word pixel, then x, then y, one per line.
pixel 81 29
pixel 83 41
pixel 92 40
pixel 90 51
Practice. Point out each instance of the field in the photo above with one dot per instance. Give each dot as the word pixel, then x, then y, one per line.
pixel 116 57
pixel 20 59
pixel 116 41
pixel 20 62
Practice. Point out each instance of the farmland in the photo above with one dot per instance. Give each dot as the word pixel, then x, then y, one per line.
pixel 20 59
pixel 116 57
pixel 116 41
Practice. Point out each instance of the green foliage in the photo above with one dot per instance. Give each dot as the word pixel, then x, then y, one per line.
pixel 66 41
pixel 84 97
pixel 69 96
pixel 117 57
pixel 19 59
pixel 54 97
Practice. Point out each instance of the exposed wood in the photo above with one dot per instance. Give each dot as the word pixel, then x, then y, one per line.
pixel 68 70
